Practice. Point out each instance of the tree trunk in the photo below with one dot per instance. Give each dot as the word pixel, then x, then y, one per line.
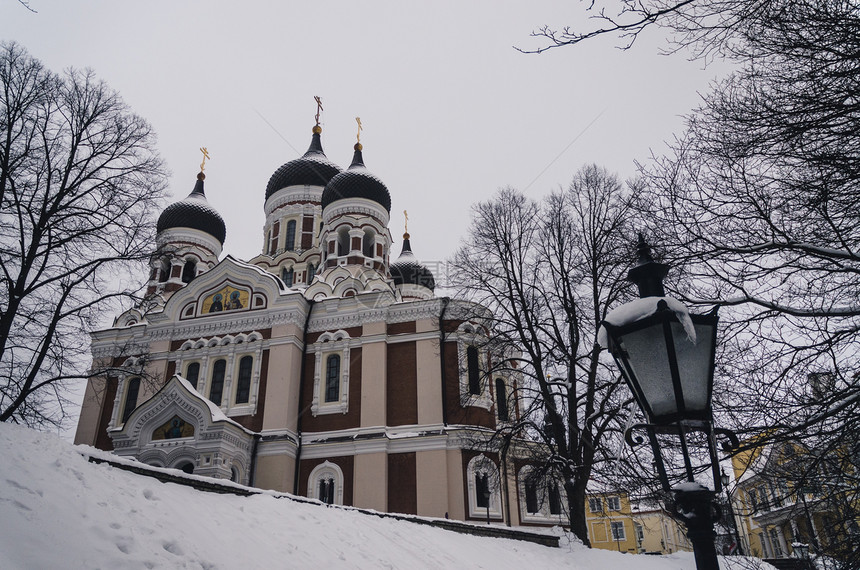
pixel 575 506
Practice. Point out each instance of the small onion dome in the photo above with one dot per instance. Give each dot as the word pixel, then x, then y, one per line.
pixel 356 182
pixel 194 212
pixel 312 169
pixel 408 270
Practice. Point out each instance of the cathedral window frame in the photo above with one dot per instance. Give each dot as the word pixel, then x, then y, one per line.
pixel 330 344
pixel 132 386
pixel 288 275
pixel 186 368
pixel 165 267
pixel 368 243
pixel 543 489
pixel 326 471
pixel 232 349
pixel 483 465
pixel 332 378
pixel 502 395
pixel 237 385
pixel 290 235
pixel 470 336
pixel 343 241
pixel 189 269
pixel 219 375
pixel 132 367
pixel 274 238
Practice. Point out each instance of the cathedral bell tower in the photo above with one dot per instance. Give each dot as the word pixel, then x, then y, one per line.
pixel 190 236
pixel 293 214
pixel 356 208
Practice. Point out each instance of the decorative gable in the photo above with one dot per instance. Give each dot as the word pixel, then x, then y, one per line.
pixel 178 428
pixel 231 287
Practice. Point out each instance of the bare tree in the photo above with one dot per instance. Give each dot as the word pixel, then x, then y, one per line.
pixel 80 182
pixel 700 28
pixel 549 272
pixel 759 209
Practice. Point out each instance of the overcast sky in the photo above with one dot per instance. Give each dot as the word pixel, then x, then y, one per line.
pixel 451 112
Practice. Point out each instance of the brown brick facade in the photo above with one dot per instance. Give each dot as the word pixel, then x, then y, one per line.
pixel 402 386
pixel 327 422
pixel 402 483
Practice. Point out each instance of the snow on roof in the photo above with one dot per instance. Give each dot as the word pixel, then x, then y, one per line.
pixel 642 308
pixel 214 411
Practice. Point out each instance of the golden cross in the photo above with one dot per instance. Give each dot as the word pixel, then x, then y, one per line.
pixel 319 108
pixel 205 156
pixel 360 128
pixel 406 223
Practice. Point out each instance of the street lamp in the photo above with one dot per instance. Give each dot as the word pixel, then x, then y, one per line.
pixel 801 550
pixel 666 355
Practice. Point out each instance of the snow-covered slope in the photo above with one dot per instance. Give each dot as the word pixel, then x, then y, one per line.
pixel 59 511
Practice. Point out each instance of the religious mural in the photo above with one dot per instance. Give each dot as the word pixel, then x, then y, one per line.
pixel 173 428
pixel 228 298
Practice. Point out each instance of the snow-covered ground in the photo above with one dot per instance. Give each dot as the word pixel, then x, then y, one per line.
pixel 57 510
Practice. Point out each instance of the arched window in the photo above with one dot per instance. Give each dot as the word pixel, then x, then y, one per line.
pixel 192 373
pixel 290 243
pixel 273 238
pixel 243 384
pixel 130 398
pixel 531 497
pixel 343 245
pixel 326 483
pixel 474 372
pixel 164 270
pixel 501 400
pixel 541 497
pixel 482 490
pixel 331 373
pixel 287 274
pixel 189 271
pixel 326 490
pixel 369 243
pixel 215 392
pixel 332 378
pixel 312 271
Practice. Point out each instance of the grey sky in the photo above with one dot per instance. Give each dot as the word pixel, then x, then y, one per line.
pixel 450 111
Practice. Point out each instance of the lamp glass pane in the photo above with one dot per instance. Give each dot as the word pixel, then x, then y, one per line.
pixel 694 363
pixel 647 357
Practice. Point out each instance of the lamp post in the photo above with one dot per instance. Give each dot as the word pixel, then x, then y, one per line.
pixel 666 355
pixel 731 514
pixel 801 550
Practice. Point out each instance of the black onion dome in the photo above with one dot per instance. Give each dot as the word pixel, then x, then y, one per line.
pixel 407 269
pixel 194 212
pixel 312 169
pixel 356 182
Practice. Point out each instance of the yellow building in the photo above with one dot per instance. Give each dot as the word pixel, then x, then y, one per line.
pixel 611 525
pixel 658 532
pixel 616 523
pixel 787 494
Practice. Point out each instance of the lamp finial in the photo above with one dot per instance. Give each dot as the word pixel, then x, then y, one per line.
pixel 648 274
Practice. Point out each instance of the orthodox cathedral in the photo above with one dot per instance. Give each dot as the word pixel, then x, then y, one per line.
pixel 320 367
